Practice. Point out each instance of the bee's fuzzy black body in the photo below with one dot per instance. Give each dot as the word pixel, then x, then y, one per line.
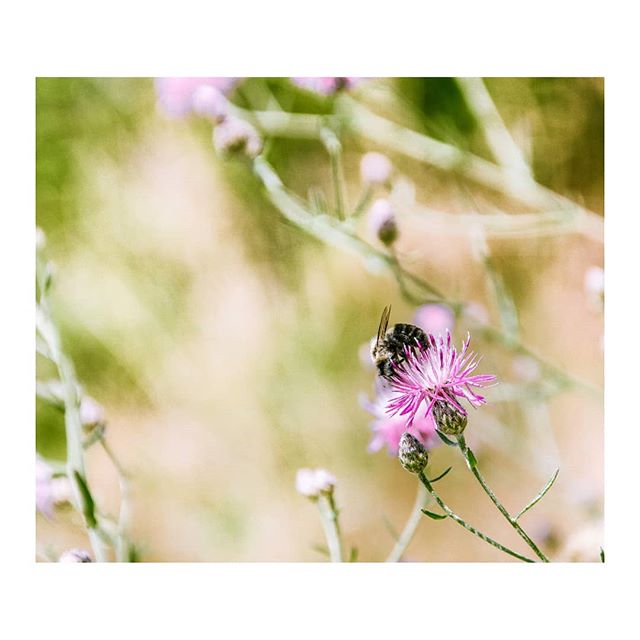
pixel 389 348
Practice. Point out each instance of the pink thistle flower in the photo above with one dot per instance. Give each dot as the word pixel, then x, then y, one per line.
pixel 387 430
pixel 437 373
pixel 176 95
pixel 326 86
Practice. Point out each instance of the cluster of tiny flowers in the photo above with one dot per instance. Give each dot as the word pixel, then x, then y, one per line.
pixel 326 86
pixel 314 482
pixel 436 374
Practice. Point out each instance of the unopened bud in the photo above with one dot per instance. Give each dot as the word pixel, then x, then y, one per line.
pixel 91 413
pixel 382 221
pixel 235 136
pixel 209 101
pixel 450 421
pixel 375 168
pixel 75 555
pixel 313 482
pixel 412 454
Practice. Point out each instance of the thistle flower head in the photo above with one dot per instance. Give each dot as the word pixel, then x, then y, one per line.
pixel 412 455
pixel 436 373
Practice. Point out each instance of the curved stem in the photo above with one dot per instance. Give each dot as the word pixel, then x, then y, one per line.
pixel 329 516
pixel 422 499
pixel 471 463
pixel 467 526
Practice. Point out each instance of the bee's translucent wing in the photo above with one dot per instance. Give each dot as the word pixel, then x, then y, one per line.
pixel 384 323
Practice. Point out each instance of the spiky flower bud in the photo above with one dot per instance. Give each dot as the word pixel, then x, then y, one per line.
pixel 75 555
pixel 450 421
pixel 412 454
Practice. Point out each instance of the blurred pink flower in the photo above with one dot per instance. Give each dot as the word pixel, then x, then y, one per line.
pixel 75 555
pixel 326 86
pixel 476 312
pixel 375 168
pixel 387 431
pixel 435 373
pixel 176 95
pixel 435 318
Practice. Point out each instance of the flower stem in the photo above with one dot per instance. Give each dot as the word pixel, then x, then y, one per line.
pixel 471 463
pixel 422 500
pixel 329 516
pixel 334 149
pixel 467 526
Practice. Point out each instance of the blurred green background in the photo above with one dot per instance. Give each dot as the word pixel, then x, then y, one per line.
pixel 224 342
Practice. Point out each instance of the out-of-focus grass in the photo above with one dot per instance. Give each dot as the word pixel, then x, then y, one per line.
pixel 224 342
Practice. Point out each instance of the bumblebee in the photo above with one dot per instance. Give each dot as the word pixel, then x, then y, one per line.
pixel 389 346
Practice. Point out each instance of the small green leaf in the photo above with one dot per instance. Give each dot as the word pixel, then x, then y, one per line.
pixel 442 475
pixel 446 440
pixel 88 506
pixel 434 516
pixel 353 554
pixel 540 495
pixel 321 549
pixel 473 463
pixel 601 554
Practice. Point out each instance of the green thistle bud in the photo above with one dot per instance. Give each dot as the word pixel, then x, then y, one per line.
pixel 412 454
pixel 449 419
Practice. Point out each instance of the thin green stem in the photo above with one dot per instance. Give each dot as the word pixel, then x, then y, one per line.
pixel 122 545
pixel 471 463
pixel 410 528
pixel 329 517
pixel 363 203
pixel 495 132
pixel 467 526
pixel 334 149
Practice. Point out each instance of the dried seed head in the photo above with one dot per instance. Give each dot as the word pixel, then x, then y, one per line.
pixel 450 421
pixel 412 454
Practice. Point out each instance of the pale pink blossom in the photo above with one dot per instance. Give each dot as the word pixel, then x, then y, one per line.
pixel 313 482
pixel 375 168
pixel 435 318
pixel 75 555
pixel 176 95
pixel 91 412
pixel 234 135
